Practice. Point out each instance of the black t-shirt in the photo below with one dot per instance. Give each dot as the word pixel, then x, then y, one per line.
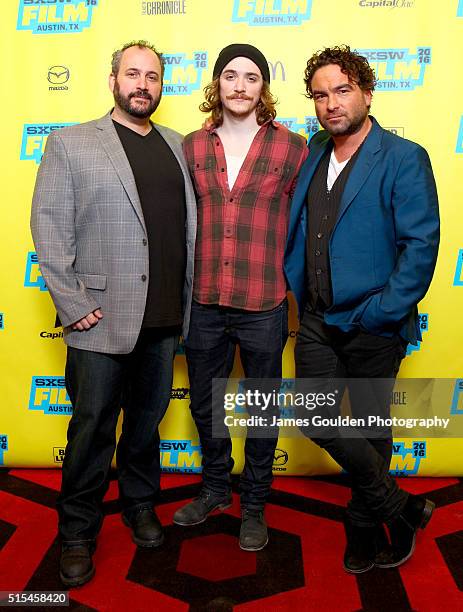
pixel 161 190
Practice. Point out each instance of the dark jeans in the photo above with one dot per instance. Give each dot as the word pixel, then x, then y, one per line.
pixel 97 384
pixel 215 332
pixel 326 352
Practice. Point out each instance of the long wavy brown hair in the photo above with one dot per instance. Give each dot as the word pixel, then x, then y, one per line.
pixel 265 109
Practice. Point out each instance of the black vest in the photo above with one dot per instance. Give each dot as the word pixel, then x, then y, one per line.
pixel 323 207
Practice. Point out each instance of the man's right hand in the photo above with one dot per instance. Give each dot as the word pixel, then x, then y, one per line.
pixel 89 321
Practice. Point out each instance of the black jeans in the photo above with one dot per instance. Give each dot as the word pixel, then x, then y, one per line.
pixel 326 352
pixel 215 332
pixel 97 384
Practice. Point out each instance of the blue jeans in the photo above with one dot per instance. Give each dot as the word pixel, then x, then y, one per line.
pixel 98 384
pixel 215 331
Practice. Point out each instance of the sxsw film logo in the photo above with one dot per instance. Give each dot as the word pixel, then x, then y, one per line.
pixel 458 278
pixel 406 459
pixel 271 12
pixel 459 148
pixel 55 16
pixel 3 446
pixel 307 128
pixel 180 456
pixel 457 401
pixel 58 454
pixel 424 326
pixel 182 76
pixel 398 69
pixel 48 394
pixel 180 393
pixel 33 276
pixel 35 137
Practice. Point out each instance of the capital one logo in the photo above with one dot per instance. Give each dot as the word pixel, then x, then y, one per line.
pixel 35 137
pixel 307 128
pixel 182 75
pixel 33 277
pixel 55 16
pixel 398 69
pixel 406 459
pixel 271 12
pixel 459 148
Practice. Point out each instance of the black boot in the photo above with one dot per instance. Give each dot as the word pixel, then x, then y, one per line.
pixel 415 514
pixel 364 546
pixel 76 563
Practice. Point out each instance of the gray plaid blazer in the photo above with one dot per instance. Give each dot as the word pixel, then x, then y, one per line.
pixel 90 235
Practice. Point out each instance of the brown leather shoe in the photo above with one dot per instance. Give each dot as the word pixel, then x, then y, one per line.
pixel 76 563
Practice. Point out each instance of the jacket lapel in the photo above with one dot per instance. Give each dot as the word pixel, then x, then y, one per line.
pixel 363 166
pixel 115 151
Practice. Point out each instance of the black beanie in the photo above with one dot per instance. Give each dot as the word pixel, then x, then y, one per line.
pixel 241 50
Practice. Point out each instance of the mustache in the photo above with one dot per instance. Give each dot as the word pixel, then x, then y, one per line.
pixel 238 97
pixel 141 93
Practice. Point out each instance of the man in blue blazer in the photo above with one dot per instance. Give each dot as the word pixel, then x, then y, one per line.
pixel 361 251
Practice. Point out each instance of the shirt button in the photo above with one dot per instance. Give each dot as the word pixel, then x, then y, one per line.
pixel 317 253
pixel 143 277
pixel 225 263
pixel 318 272
pixel 325 217
pixel 145 241
pixel 319 235
pixel 217 143
pixel 231 199
pixel 222 169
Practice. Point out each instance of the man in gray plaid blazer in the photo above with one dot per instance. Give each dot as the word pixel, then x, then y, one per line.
pixel 114 225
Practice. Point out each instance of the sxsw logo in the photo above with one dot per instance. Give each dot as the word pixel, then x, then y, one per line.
pixel 460 9
pixel 424 326
pixel 182 76
pixel 459 148
pixel 458 279
pixel 55 16
pixel 271 12
pixel 33 276
pixel 307 128
pixel 406 459
pixel 457 401
pixel 34 138
pixel 3 446
pixel 48 394
pixel 2 322
pixel 180 393
pixel 180 456
pixel 398 69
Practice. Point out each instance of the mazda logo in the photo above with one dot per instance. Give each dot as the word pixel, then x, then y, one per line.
pixel 58 75
pixel 280 457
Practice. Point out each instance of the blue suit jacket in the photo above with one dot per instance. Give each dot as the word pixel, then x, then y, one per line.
pixel 383 247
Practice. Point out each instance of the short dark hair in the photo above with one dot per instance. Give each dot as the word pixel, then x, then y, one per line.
pixel 353 64
pixel 141 44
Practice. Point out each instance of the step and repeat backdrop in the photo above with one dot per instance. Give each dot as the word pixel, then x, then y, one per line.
pixel 56 61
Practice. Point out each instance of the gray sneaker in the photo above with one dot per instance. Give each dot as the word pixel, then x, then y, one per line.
pixel 197 511
pixel 253 532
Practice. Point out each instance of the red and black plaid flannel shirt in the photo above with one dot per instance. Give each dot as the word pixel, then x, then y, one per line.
pixel 242 233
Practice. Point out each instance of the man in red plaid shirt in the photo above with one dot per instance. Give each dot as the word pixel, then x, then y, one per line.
pixel 244 167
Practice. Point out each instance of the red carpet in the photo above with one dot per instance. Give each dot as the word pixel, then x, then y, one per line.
pixel 202 568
